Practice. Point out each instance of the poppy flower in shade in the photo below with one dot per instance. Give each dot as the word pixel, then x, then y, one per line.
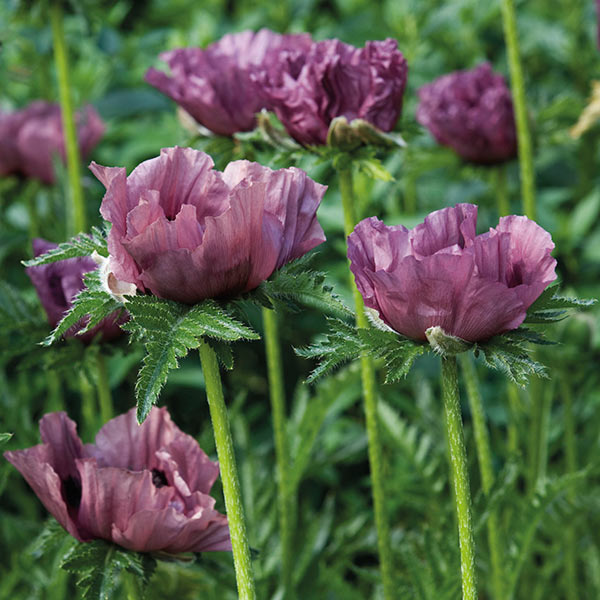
pixel 472 113
pixel 29 138
pixel 144 487
pixel 442 274
pixel 59 282
pixel 187 232
pixel 217 85
pixel 334 80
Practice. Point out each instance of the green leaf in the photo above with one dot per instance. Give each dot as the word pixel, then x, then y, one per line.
pixel 341 344
pixel 51 536
pixel 4 437
pixel 97 565
pixel 397 352
pixel 81 245
pixel 296 285
pixel 551 307
pixel 169 330
pixel 91 303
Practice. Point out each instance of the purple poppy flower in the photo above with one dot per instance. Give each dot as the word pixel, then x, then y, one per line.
pixel 337 80
pixel 144 487
pixel 29 138
pixel 59 282
pixel 187 232
pixel 472 113
pixel 217 85
pixel 442 274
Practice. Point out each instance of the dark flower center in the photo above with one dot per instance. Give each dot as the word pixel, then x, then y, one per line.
pixel 71 489
pixel 158 478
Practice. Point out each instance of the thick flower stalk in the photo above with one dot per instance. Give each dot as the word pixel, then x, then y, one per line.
pixel 218 86
pixel 308 91
pixel 30 138
pixel 442 274
pixel 186 232
pixel 144 487
pixel 58 283
pixel 472 113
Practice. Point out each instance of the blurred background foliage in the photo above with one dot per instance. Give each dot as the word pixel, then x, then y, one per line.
pixel 111 45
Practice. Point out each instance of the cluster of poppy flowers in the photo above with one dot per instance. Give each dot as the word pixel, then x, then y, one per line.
pixel 183 231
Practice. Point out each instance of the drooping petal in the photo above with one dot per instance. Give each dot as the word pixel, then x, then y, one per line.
pixel 35 464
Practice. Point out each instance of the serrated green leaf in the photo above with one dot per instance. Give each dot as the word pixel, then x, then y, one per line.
pixel 169 330
pixel 224 353
pixel 551 307
pixel 4 437
pixel 51 536
pixel 80 245
pixel 92 303
pixel 296 285
pixel 341 344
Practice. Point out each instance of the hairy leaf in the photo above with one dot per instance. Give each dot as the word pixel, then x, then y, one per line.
pixel 169 330
pixel 81 245
pixel 551 307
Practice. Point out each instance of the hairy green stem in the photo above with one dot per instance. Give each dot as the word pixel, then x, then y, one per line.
pixel 284 493
pixel 229 473
pixel 370 399
pixel 88 405
pixel 460 475
pixel 518 93
pixel 514 404
pixel 502 200
pixel 77 221
pixel 104 398
pixel 571 581
pixel 484 455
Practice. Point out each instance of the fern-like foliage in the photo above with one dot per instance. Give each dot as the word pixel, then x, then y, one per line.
pixel 298 285
pixel 92 303
pixel 98 564
pixel 81 245
pixel 551 307
pixel 169 330
pixel 344 343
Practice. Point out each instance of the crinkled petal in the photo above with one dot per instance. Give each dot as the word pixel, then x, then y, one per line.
pixel 530 267
pixel 123 443
pixel 112 495
pixel 59 433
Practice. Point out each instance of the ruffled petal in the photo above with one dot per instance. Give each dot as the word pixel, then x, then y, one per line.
pixel 59 433
pixel 113 495
pixel 123 443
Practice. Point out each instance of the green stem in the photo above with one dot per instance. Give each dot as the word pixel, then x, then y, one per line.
pixel 502 200
pixel 482 441
pixel 514 403
pixel 104 398
pixel 88 405
pixel 55 396
pixel 77 222
pixel 229 473
pixel 370 399
pixel 518 93
pixel 284 493
pixel 132 587
pixel 460 475
pixel 572 591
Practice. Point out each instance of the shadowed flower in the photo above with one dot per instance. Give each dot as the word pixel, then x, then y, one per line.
pixel 31 137
pixel 144 487
pixel 187 232
pixel 58 283
pixel 442 274
pixel 216 85
pixel 472 113
pixel 334 80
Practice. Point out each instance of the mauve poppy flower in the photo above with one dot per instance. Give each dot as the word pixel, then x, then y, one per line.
pixel 187 232
pixel 334 80
pixel 59 282
pixel 29 138
pixel 442 274
pixel 217 85
pixel 144 487
pixel 472 113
